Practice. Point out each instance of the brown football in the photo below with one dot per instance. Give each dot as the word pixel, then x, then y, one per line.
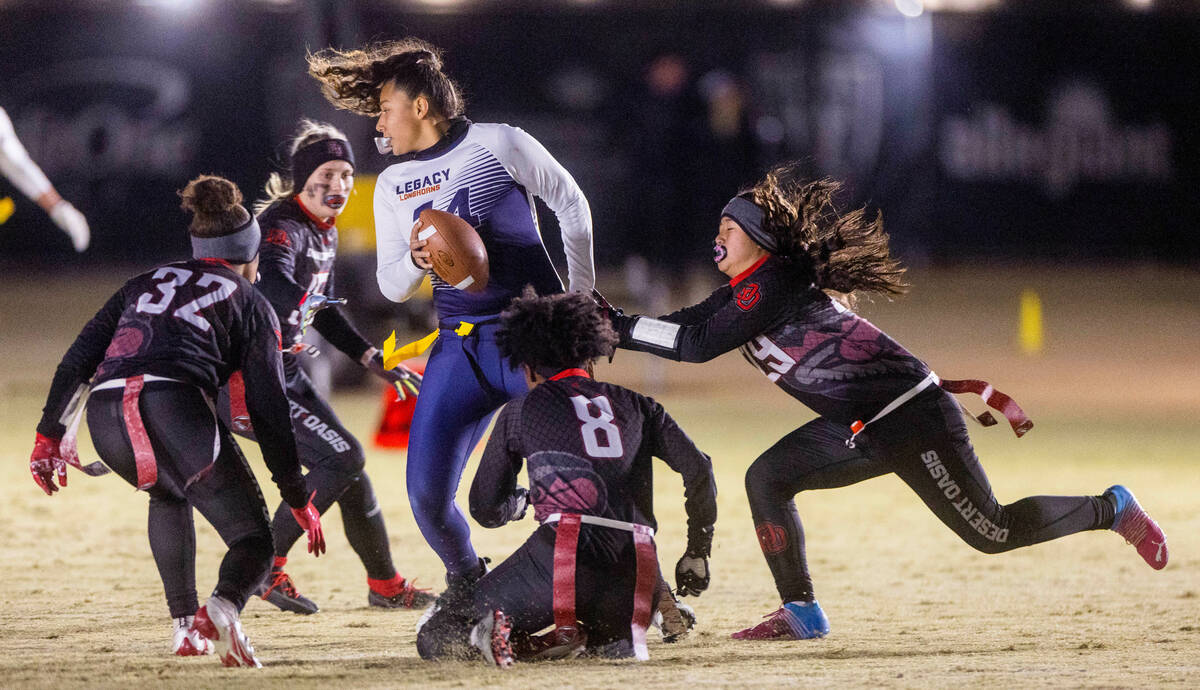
pixel 455 249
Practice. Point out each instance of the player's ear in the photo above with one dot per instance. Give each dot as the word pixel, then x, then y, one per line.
pixel 421 106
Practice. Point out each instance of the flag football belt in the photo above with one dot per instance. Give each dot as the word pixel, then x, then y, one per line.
pixel 1020 422
pixel 566 544
pixel 68 447
pixel 143 452
pixel 393 355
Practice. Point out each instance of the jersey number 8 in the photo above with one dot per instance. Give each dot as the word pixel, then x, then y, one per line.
pixel 594 427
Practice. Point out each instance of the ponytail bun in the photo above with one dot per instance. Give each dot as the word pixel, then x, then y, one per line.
pixel 216 204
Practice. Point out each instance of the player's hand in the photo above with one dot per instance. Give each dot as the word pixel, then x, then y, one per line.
pixel 46 462
pixel 519 502
pixel 421 258
pixel 605 306
pixel 310 305
pixel 310 521
pixel 72 222
pixel 691 574
pixel 406 381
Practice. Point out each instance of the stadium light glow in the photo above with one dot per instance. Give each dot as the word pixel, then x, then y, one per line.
pixel 910 8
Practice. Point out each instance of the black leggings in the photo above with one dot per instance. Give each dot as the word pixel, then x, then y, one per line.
pixel 185 436
pixel 925 443
pixel 334 459
pixel 523 588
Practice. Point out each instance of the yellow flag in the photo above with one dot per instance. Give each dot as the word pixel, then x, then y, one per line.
pixel 393 356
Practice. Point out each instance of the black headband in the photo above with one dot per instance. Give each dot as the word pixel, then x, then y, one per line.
pixel 238 247
pixel 749 216
pixel 316 154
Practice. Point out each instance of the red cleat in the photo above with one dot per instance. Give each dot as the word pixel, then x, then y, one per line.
pixel 218 621
pixel 1138 528
pixel 187 641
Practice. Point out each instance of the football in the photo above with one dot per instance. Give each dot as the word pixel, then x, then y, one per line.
pixel 456 251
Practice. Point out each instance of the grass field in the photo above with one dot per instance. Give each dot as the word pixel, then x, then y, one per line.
pixel 1115 396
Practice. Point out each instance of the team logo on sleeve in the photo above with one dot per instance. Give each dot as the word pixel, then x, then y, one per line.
pixel 748 296
pixel 279 237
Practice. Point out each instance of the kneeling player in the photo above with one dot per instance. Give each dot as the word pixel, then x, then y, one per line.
pixel 156 353
pixel 590 569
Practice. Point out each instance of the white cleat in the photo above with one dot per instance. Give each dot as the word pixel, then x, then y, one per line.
pixel 187 641
pixel 218 621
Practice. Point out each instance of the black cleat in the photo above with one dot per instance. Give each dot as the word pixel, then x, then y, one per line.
pixel 282 593
pixel 407 598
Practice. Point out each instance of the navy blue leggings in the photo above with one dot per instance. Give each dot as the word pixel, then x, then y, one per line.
pixel 466 381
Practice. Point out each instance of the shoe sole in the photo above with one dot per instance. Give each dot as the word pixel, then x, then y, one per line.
pixel 490 636
pixel 186 648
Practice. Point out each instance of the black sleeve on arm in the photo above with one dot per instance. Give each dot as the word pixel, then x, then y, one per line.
pixel 80 363
pixel 334 327
pixel 699 313
pixel 266 401
pixel 699 486
pixel 276 268
pixel 492 488
pixel 729 325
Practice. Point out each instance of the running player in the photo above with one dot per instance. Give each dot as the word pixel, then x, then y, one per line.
pixel 26 176
pixel 299 244
pixel 590 567
pixel 155 355
pixel 487 174
pixel 783 244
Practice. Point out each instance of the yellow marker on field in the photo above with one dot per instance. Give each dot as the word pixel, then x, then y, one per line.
pixel 1030 333
pixel 6 209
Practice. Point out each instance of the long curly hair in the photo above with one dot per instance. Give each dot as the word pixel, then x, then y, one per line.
pixel 842 252
pixel 556 332
pixel 352 79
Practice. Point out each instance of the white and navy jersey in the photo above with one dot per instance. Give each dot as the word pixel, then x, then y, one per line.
pixel 487 174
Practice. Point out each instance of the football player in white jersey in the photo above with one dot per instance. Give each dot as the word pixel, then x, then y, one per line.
pixel 26 176
pixel 488 175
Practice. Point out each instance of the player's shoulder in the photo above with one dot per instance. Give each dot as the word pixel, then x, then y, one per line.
pixel 498 137
pixel 282 223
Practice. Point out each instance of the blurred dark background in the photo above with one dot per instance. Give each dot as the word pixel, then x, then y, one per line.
pixel 986 128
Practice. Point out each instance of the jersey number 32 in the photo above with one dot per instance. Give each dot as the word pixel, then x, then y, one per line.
pixel 172 278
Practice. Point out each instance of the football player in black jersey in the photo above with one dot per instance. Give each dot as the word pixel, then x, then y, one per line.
pixel 299 244
pixel 590 568
pixel 784 244
pixel 154 356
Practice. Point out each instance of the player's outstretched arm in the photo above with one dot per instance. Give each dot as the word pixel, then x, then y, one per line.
pixel 19 168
